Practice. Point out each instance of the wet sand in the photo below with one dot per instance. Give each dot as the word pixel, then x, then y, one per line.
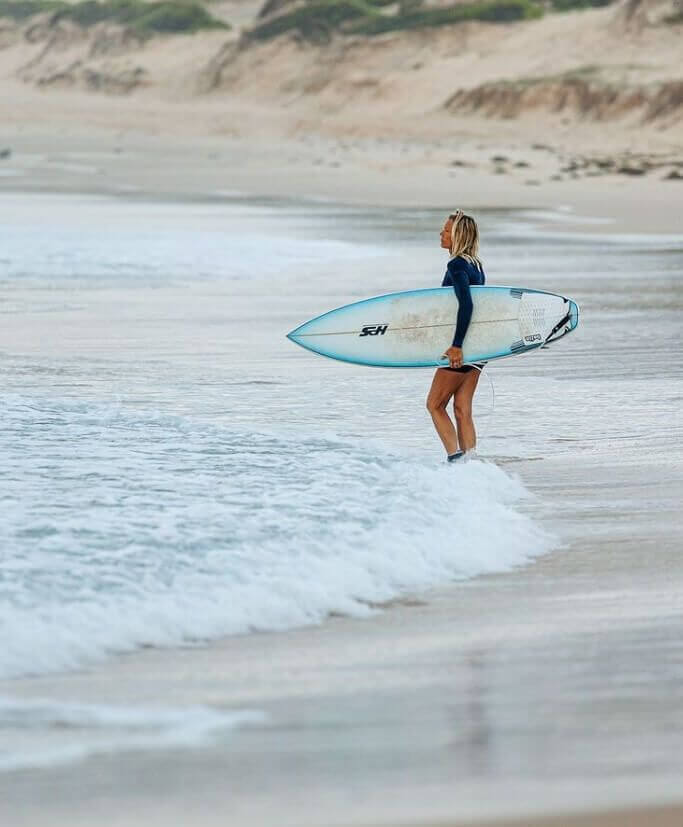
pixel 144 158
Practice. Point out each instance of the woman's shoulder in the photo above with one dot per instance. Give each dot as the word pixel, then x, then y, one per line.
pixel 456 263
pixel 461 263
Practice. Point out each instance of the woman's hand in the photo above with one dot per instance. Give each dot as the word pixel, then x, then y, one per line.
pixel 454 356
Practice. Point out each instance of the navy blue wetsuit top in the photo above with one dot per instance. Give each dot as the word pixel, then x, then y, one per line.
pixel 460 274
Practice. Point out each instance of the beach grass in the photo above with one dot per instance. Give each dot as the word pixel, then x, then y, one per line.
pixel 490 11
pixel 571 5
pixel 23 9
pixel 167 16
pixel 318 20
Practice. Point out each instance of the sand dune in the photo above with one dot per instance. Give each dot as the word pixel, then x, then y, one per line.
pixel 582 108
pixel 598 64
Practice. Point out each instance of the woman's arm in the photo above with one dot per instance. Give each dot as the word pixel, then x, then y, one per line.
pixel 461 286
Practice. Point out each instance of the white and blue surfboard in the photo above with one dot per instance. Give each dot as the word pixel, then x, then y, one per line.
pixel 412 329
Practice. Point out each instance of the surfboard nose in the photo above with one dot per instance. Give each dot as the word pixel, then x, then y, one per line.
pixel 295 334
pixel 301 336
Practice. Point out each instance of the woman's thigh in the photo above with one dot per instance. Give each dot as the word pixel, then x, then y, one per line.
pixel 465 391
pixel 444 385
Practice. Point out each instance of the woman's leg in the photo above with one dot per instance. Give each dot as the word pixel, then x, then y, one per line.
pixel 462 408
pixel 444 385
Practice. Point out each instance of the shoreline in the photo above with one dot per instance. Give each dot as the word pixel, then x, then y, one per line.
pixel 371 175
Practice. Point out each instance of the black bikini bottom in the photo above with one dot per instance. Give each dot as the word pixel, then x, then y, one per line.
pixel 467 368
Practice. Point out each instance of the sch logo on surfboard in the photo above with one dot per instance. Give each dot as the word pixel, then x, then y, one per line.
pixel 374 330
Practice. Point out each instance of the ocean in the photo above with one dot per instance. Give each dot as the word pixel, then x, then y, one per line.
pixel 174 472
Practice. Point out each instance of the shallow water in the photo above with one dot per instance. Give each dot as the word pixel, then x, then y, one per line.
pixel 175 470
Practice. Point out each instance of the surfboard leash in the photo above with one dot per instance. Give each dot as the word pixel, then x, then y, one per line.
pixel 493 390
pixel 566 319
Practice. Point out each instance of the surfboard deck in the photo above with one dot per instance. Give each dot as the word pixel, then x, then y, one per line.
pixel 414 328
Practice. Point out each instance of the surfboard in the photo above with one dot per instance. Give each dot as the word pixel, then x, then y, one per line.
pixel 412 329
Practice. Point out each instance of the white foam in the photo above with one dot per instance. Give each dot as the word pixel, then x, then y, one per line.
pixel 157 248
pixel 125 530
pixel 43 733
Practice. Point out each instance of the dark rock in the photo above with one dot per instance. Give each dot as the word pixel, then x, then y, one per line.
pixel 120 82
pixel 572 166
pixel 499 159
pixel 604 163
pixel 5 153
pixel 521 164
pixel 630 169
pixel 674 175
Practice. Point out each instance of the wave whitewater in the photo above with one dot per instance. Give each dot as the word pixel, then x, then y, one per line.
pixel 124 529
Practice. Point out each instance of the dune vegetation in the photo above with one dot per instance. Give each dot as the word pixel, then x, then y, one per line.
pixel 165 16
pixel 418 17
pixel 318 20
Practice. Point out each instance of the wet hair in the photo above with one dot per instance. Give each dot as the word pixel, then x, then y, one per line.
pixel 465 237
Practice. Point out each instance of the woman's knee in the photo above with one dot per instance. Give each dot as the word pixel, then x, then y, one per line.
pixel 434 404
pixel 431 405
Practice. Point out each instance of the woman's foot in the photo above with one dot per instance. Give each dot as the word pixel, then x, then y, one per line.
pixel 456 456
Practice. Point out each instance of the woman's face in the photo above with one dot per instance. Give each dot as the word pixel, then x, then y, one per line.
pixel 446 234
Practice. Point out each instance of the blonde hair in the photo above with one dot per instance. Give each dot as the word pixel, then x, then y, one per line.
pixel 465 238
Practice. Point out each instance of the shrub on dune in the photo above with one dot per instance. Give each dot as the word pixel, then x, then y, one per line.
pixel 167 16
pixel 318 19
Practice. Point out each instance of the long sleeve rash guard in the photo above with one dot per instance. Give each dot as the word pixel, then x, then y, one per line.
pixel 460 274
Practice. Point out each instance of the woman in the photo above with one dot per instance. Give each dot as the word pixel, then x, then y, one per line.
pixel 460 237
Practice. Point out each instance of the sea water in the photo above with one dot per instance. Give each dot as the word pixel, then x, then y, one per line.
pixel 173 470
